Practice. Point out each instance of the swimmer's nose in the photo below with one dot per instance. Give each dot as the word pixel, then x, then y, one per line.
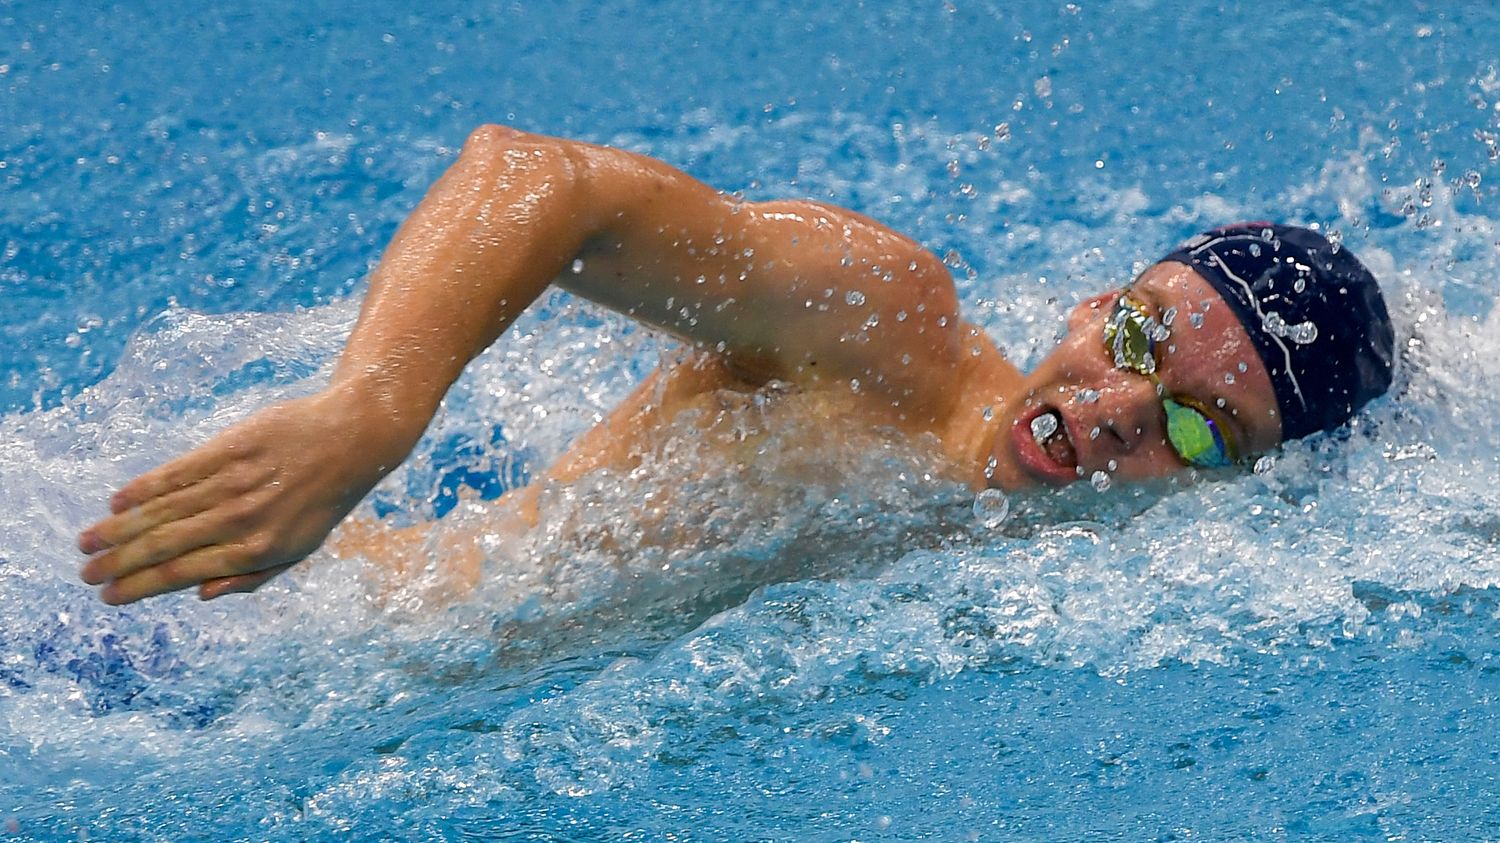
pixel 1126 415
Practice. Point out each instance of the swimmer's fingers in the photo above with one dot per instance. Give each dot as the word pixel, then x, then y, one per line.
pixel 190 569
pixel 229 483
pixel 171 535
pixel 186 470
pixel 241 584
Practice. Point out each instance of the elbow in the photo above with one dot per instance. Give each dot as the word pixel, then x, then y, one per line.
pixel 553 160
pixel 491 136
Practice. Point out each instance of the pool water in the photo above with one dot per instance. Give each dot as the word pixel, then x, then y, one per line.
pixel 1306 651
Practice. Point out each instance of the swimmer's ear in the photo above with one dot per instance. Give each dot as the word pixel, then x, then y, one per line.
pixel 1089 308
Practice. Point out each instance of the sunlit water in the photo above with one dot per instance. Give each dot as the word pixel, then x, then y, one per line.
pixel 844 646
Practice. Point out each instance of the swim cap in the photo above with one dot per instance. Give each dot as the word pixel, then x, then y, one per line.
pixel 1313 311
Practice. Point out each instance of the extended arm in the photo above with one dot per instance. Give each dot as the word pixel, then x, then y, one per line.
pixel 782 289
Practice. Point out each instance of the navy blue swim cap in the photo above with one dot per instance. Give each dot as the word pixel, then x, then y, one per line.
pixel 1313 311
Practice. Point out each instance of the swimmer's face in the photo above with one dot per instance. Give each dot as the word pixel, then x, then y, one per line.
pixel 1112 419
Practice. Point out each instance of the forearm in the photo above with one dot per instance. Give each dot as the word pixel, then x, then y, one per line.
pixel 481 246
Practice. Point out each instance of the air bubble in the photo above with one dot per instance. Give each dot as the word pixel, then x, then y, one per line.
pixel 854 297
pixel 577 266
pixel 1303 334
pixel 1196 319
pixel 1100 481
pixel 1264 464
pixel 991 508
pixel 1043 426
pixel 1087 396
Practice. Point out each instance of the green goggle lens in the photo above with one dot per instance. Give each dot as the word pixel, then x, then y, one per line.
pixel 1195 437
pixel 1127 334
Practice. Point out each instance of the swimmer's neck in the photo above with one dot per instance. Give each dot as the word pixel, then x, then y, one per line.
pixel 985 383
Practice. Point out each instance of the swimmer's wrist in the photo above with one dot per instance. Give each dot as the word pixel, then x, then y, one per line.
pixel 385 422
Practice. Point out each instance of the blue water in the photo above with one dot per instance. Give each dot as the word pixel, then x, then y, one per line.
pixel 192 200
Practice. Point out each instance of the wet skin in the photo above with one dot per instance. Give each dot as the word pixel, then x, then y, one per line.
pixel 810 295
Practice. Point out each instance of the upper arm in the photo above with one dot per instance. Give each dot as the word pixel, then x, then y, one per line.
pixel 795 290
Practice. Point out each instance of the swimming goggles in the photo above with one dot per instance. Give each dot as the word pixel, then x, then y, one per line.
pixel 1130 338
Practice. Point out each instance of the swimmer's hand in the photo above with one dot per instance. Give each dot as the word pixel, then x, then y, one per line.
pixel 245 506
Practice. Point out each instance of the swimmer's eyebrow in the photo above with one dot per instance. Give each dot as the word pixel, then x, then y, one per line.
pixel 1228 414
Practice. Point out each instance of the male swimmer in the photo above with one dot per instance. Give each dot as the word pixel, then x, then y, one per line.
pixel 1245 337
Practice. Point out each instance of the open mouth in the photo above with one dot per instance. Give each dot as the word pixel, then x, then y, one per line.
pixel 1049 434
pixel 1044 447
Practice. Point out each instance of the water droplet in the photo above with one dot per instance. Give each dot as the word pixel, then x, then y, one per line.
pixel 1264 464
pixel 991 508
pixel 577 266
pixel 1113 466
pixel 1100 481
pixel 1043 426
pixel 1254 250
pixel 988 413
pixel 1196 319
pixel 1303 334
pixel 854 297
pixel 1094 434
pixel 1087 396
pixel 1242 367
pixel 900 316
pixel 1229 377
pixel 1168 316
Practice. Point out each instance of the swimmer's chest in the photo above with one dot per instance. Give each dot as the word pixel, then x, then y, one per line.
pixel 798 429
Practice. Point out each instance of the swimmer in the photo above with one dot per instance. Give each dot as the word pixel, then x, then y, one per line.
pixel 1244 337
